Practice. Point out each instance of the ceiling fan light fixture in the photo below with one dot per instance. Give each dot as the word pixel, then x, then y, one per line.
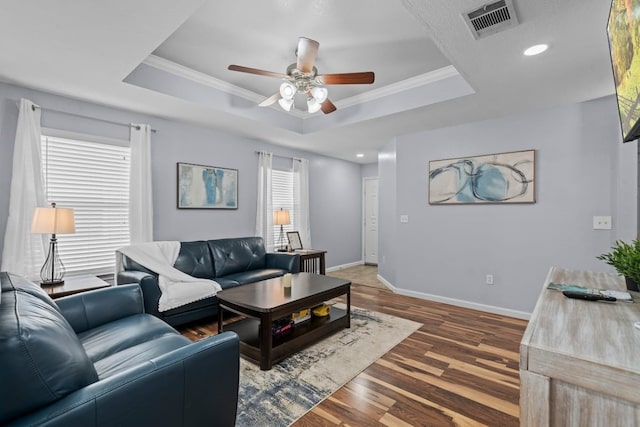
pixel 286 104
pixel 313 105
pixel 320 94
pixel 287 91
pixel 302 78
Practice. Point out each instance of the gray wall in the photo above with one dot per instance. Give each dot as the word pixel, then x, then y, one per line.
pixel 582 170
pixel 335 185
pixel 369 170
pixel 387 213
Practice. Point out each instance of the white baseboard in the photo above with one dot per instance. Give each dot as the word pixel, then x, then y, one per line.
pixel 349 265
pixel 457 302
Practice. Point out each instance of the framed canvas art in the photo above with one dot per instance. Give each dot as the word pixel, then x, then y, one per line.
pixel 493 178
pixel 207 187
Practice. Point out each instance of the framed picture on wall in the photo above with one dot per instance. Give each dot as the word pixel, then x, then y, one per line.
pixel 492 178
pixel 207 187
pixel 294 240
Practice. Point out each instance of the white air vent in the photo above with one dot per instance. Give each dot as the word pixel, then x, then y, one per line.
pixel 491 18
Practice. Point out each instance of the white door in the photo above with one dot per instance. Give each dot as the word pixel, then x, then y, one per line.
pixel 371 221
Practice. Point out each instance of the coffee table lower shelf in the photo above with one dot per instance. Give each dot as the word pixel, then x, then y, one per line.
pixel 303 335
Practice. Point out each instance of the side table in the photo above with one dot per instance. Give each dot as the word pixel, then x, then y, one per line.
pixel 74 285
pixel 311 260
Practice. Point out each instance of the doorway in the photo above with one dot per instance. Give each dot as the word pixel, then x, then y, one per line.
pixel 370 221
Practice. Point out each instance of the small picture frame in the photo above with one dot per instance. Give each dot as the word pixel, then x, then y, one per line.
pixel 294 240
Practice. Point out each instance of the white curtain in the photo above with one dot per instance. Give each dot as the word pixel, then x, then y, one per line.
pixel 301 199
pixel 24 253
pixel 264 209
pixel 140 194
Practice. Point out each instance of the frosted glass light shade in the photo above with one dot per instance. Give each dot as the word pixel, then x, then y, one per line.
pixel 312 105
pixel 287 90
pixel 320 94
pixel 281 217
pixel 53 221
pixel 286 104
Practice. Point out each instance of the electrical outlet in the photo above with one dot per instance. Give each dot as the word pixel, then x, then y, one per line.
pixel 404 218
pixel 602 223
pixel 489 279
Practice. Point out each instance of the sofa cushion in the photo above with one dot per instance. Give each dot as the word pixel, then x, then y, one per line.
pixel 137 354
pixel 194 259
pixel 113 337
pixel 237 255
pixel 202 303
pixel 41 358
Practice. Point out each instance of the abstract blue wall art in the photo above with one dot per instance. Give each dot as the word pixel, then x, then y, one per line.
pixel 207 187
pixel 493 178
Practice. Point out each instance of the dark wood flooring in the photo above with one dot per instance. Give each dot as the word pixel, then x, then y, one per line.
pixel 459 369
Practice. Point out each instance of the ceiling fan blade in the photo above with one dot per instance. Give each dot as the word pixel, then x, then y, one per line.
pixel 306 52
pixel 327 106
pixel 270 100
pixel 366 77
pixel 249 70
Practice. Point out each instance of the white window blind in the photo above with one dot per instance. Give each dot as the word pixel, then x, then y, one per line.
pixel 93 179
pixel 282 197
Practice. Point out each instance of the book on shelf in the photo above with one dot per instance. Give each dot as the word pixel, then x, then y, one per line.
pixel 301 316
pixel 282 326
pixel 618 295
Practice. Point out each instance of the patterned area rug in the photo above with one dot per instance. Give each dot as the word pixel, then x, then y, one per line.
pixel 294 386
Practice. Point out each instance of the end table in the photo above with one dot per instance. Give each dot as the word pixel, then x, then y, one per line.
pixel 74 285
pixel 311 260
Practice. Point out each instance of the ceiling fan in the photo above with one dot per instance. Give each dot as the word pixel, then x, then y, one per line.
pixel 302 77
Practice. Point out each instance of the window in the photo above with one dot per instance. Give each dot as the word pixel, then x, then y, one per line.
pixel 93 179
pixel 282 197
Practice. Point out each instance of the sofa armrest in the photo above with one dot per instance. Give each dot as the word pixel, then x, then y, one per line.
pixel 87 310
pixel 150 289
pixel 284 261
pixel 194 385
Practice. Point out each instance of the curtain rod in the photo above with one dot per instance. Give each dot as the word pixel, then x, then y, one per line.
pixel 278 155
pixel 33 107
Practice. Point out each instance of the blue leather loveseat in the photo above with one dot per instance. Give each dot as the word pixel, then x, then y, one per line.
pixel 230 262
pixel 95 359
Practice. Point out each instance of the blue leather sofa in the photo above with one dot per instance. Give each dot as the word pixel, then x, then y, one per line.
pixel 95 359
pixel 230 262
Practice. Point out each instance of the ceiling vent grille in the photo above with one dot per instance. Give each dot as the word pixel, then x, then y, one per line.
pixel 491 18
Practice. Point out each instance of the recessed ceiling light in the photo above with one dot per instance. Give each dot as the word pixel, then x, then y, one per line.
pixel 536 50
pixel 359 155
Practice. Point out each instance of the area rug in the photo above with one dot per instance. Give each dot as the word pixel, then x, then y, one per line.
pixel 294 386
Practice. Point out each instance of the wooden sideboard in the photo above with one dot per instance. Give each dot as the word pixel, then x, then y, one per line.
pixel 580 360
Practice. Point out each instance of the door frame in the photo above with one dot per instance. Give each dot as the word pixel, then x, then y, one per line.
pixel 364 216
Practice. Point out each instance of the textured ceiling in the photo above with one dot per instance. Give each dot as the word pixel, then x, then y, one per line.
pixel 170 59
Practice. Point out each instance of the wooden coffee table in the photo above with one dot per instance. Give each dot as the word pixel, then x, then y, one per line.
pixel 263 302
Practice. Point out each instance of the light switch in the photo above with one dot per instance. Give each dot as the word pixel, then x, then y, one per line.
pixel 404 218
pixel 602 223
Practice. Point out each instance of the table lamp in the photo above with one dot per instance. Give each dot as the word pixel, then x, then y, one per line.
pixel 281 218
pixel 53 221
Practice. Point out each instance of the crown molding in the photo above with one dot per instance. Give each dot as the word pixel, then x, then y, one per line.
pixel 207 80
pixel 401 86
pixel 392 89
pixel 201 78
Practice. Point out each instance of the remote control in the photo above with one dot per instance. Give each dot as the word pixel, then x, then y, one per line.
pixel 587 296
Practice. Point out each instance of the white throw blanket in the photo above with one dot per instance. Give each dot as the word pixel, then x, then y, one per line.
pixel 177 288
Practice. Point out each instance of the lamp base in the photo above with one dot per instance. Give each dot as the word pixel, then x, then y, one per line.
pixel 51 282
